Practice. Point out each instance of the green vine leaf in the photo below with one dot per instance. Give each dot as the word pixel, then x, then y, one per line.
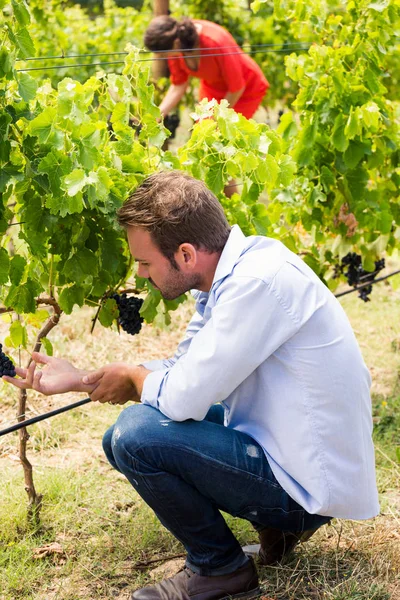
pixel 148 310
pixel 69 297
pixel 22 298
pixel 23 42
pixel 21 12
pixel 42 125
pixel 26 87
pixel 18 335
pixel 75 182
pixel 17 268
pixel 48 346
pixel 4 266
pixel 109 312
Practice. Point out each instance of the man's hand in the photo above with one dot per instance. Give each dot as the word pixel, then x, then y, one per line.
pixel 116 383
pixel 57 376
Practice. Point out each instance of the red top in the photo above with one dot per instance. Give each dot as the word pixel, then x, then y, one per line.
pixel 231 71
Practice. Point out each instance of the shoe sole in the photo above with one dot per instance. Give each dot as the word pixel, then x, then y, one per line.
pixel 306 536
pixel 251 595
pixel 252 550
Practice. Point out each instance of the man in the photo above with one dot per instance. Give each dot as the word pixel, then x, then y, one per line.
pixel 264 411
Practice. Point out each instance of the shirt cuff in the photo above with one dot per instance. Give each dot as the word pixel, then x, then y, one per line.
pixel 152 387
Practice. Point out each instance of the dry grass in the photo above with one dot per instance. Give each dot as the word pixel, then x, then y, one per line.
pixel 109 542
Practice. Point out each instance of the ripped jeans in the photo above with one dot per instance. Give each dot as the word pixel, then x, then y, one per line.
pixel 187 472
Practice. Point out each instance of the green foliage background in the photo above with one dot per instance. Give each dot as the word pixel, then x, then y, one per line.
pixel 69 156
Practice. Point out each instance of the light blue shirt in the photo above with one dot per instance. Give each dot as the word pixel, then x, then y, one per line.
pixel 272 344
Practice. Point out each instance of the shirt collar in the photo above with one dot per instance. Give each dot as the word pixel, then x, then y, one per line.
pixel 232 250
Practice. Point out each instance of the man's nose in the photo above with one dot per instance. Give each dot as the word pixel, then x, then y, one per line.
pixel 143 271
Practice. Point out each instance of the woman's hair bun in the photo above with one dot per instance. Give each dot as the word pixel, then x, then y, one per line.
pixel 187 33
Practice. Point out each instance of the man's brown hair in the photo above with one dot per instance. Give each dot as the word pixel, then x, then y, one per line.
pixel 176 208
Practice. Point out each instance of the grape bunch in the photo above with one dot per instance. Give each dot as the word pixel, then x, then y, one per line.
pixel 171 122
pixel 379 265
pixel 356 275
pixel 365 292
pixel 354 268
pixel 129 317
pixel 6 364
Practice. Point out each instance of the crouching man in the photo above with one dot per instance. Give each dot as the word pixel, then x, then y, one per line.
pixel 263 412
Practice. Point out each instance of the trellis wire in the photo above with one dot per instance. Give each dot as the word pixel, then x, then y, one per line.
pixel 120 62
pixel 47 415
pixel 16 418
pixel 364 285
pixel 143 51
pixel 151 14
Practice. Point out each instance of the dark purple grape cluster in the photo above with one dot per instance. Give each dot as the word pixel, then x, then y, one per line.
pixel 365 292
pixel 354 268
pixel 337 271
pixel 356 276
pixel 171 122
pixel 6 364
pixel 380 264
pixel 129 317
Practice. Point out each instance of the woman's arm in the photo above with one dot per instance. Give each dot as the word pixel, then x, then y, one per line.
pixel 233 97
pixel 172 97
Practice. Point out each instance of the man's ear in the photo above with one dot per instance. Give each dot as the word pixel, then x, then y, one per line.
pixel 186 257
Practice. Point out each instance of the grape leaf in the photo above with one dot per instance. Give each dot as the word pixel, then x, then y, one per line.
pixel 4 265
pixel 339 139
pixel 56 165
pixel 26 87
pixel 148 310
pixel 21 12
pixel 70 296
pixel 6 62
pixel 47 346
pixel 42 125
pixel 354 154
pixel 74 182
pixel 108 313
pixel 23 42
pixel 17 267
pixel 18 334
pixel 80 265
pixel 22 297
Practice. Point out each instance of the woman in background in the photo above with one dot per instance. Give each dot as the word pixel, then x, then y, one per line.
pixel 207 51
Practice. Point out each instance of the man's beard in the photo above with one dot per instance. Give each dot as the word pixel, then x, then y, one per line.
pixel 177 284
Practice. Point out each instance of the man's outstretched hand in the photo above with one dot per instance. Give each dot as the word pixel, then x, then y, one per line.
pixel 57 376
pixel 116 383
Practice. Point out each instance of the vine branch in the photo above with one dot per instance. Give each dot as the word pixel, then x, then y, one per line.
pixel 35 499
pixel 45 300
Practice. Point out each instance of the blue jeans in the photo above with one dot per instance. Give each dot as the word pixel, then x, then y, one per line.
pixel 187 472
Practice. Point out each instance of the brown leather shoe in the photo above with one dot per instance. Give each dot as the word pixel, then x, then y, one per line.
pixel 275 544
pixel 186 585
